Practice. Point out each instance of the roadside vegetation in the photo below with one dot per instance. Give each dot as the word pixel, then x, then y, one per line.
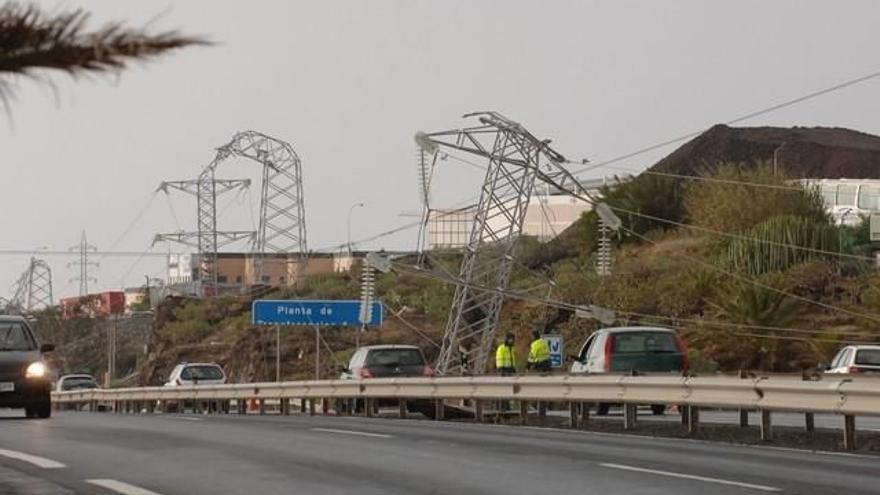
pixel 745 265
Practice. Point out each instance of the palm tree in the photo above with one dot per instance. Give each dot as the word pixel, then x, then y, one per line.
pixel 32 41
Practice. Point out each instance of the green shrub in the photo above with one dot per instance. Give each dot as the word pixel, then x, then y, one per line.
pixel 726 205
pixel 772 245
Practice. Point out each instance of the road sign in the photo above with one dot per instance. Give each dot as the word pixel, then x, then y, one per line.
pixel 556 349
pixel 312 312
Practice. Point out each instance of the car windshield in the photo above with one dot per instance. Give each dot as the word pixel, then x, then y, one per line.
pixel 202 373
pixel 15 337
pixel 868 357
pixel 395 357
pixel 78 382
pixel 644 342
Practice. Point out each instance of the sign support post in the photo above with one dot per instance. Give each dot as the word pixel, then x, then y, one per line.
pixel 317 352
pixel 277 353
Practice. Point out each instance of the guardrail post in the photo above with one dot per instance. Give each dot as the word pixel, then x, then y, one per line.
pixel 402 411
pixel 693 418
pixel 311 407
pixel 849 432
pixel 630 416
pixel 302 406
pixel 285 407
pixel 261 403
pixel 585 414
pixel 573 414
pixel 478 411
pixel 683 411
pixel 325 406
pixel 523 412
pixel 542 411
pixel 743 413
pixel 809 422
pixel 766 426
pixel 241 406
pixel 438 410
pixel 368 407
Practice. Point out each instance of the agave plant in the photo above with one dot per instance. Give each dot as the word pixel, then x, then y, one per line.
pixel 758 306
pixel 32 41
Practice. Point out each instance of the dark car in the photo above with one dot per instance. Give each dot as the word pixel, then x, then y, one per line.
pixel 632 349
pixel 24 379
pixel 386 361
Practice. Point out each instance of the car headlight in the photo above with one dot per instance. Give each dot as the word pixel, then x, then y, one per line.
pixel 35 370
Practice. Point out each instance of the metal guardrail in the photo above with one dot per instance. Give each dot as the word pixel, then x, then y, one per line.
pixel 846 395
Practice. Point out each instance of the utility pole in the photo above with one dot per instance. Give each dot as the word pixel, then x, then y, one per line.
pixel 84 249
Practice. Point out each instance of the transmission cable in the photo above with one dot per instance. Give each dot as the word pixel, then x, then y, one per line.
pixel 737 120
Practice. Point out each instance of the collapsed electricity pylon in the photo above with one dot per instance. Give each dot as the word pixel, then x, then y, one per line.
pixel 84 249
pixel 515 158
pixel 33 289
pixel 282 226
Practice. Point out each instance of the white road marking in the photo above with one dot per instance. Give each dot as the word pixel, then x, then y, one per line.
pixel 121 487
pixel 352 432
pixel 32 459
pixel 185 418
pixel 670 474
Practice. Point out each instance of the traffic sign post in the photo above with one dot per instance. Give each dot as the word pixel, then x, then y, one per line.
pixel 556 350
pixel 313 313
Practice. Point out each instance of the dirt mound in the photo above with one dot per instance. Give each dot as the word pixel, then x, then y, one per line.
pixel 804 152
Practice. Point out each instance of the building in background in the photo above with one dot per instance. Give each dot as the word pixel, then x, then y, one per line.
pixel 237 271
pixel 548 213
pixel 93 305
pixel 848 200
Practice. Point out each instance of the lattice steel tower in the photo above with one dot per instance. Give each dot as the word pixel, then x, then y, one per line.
pixel 33 289
pixel 282 226
pixel 84 249
pixel 515 158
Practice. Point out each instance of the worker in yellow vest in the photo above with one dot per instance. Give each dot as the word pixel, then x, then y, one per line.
pixel 539 353
pixel 505 362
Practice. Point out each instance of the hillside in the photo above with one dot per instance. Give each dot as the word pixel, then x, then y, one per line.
pixel 804 152
pixel 780 289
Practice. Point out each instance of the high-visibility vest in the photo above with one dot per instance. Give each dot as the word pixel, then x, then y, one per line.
pixel 539 351
pixel 504 357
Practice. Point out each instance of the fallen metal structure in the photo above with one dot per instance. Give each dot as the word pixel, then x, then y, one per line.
pixel 514 159
pixel 33 289
pixel 847 396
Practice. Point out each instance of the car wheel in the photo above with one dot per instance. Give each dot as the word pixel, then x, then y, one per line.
pixel 42 410
pixel 658 409
pixel 602 409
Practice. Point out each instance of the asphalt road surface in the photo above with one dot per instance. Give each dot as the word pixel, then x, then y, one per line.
pixel 92 453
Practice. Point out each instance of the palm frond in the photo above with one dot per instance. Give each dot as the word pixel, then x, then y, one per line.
pixel 31 41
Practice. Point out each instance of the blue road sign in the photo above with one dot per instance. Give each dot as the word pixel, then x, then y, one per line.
pixel 312 312
pixel 556 349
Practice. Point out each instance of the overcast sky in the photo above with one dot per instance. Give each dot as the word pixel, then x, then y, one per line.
pixel 349 83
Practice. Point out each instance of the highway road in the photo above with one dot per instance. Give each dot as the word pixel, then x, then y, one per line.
pixel 90 453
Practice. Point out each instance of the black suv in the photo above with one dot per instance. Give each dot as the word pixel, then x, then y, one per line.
pixel 24 378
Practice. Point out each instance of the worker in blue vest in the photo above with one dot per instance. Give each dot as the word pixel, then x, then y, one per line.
pixel 539 353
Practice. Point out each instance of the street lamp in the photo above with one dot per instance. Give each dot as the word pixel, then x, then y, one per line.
pixel 776 157
pixel 350 210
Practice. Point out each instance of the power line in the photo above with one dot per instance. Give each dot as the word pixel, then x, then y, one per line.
pixel 737 120
pixel 108 254
pixel 573 307
pixel 134 222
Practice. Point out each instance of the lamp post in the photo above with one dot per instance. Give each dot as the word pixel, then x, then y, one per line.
pixel 776 157
pixel 350 210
